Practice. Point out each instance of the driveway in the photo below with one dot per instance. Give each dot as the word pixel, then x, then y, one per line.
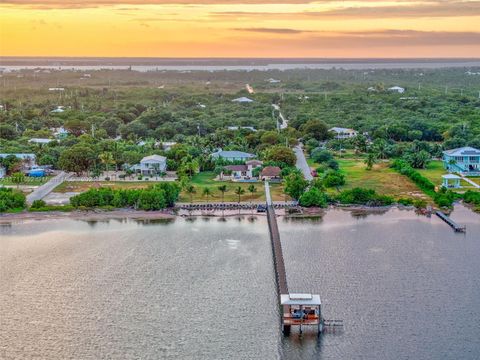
pixel 302 164
pixel 42 191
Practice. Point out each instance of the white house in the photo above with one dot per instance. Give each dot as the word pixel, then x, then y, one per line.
pixel 242 100
pixel 56 89
pixel 235 128
pixel 151 165
pixel 27 159
pixel 232 155
pixel 396 89
pixel 343 133
pixel 40 141
pixel 3 172
pixel 243 171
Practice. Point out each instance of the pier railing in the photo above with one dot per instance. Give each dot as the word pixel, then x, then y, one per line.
pixel 279 265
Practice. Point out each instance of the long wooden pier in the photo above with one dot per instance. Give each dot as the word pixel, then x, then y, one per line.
pixel 449 221
pixel 280 273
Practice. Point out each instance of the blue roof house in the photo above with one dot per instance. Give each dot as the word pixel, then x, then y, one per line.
pixel 465 160
pixel 232 155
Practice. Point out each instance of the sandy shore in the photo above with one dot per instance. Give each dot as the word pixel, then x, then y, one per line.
pixel 87 215
pixel 171 214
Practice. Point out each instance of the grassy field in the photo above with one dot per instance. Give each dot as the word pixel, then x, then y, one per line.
pixel 205 179
pixel 81 186
pixel 199 181
pixel 381 178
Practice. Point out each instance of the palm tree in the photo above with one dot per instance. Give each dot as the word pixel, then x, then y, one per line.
pixel 207 192
pixel 190 189
pixel 370 160
pixel 17 178
pixel 252 189
pixel 223 189
pixel 239 191
pixel 106 158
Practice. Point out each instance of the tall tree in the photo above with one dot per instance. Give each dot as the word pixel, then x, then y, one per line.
pixel 223 189
pixel 239 191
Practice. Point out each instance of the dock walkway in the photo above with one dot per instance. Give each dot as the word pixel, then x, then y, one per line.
pixel 279 265
pixel 449 221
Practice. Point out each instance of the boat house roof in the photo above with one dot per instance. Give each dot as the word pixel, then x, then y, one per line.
pixel 300 299
pixel 451 177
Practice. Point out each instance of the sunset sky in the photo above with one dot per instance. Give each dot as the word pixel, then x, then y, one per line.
pixel 240 28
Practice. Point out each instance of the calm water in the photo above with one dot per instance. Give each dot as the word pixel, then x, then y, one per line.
pixel 406 287
pixel 432 64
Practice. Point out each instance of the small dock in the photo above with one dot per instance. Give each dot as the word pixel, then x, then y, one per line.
pixel 449 221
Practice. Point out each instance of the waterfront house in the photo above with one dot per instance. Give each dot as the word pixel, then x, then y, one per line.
pixel 232 156
pixel 243 172
pixel 340 133
pixel 465 160
pixel 151 165
pixel 270 173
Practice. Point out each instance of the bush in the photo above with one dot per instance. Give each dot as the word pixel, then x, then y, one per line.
pixel 333 179
pixel 107 178
pixel 38 204
pixel 405 201
pixel 363 196
pixel 320 155
pixel 155 197
pixel 472 197
pixel 313 197
pixel 420 203
pixel 11 200
pixel 333 164
pixel 405 169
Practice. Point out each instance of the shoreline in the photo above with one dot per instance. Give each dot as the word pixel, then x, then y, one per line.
pixel 99 214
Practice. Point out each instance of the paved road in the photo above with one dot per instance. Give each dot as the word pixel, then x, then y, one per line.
pixel 42 191
pixel 302 164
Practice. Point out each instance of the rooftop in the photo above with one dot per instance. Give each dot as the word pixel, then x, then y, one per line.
pixel 236 167
pixel 341 130
pixel 467 150
pixel 233 154
pixel 271 171
pixel 153 158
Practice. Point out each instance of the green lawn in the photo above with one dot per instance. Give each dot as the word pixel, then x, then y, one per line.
pixel 434 172
pixel 206 179
pixel 199 181
pixel 381 178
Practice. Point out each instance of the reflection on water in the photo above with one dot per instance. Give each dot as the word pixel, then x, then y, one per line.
pixel 402 283
pixel 405 285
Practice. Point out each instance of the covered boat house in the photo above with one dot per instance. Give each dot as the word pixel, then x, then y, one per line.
pixel 301 310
